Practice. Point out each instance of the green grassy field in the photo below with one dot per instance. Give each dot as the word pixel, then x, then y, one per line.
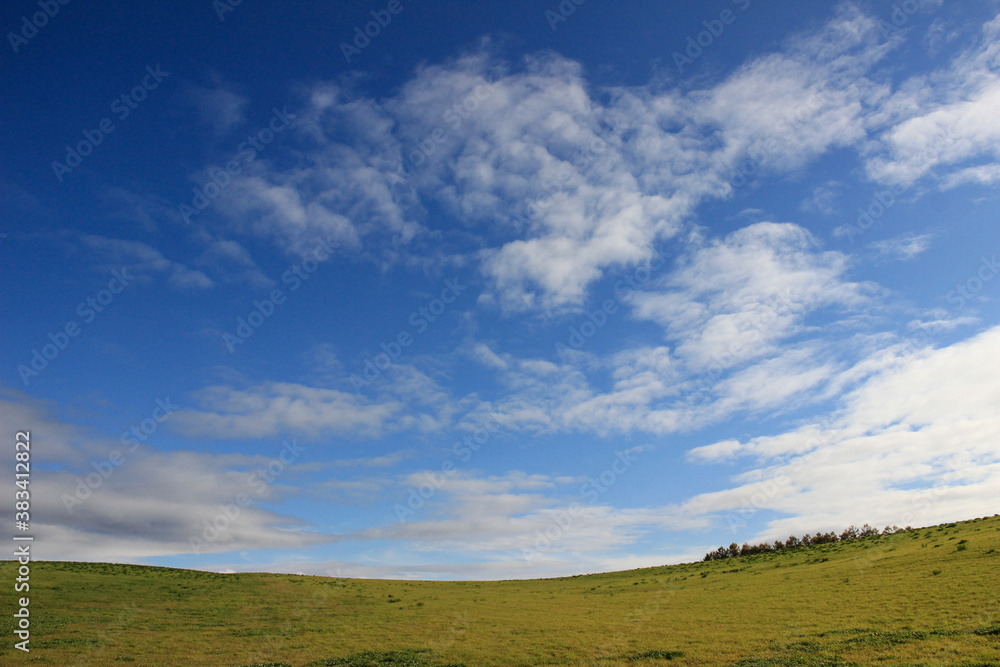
pixel 928 596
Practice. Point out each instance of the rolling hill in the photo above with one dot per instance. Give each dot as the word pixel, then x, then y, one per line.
pixel 925 596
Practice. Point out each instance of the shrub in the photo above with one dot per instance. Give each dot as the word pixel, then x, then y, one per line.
pixel 867 531
pixel 850 533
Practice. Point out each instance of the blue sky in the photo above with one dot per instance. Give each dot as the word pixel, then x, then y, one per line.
pixel 497 291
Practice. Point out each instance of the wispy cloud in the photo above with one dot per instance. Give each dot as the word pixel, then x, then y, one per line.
pixel 574 186
pixel 904 247
pixel 220 105
pixel 144 260
pixel 915 441
pixel 941 121
pixel 142 502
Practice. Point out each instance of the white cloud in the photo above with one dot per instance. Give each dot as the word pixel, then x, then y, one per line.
pixel 143 260
pixel 402 398
pixel 942 120
pixel 904 247
pixel 794 105
pixel 220 106
pixel 232 262
pixel 820 201
pixel 941 321
pixel 914 444
pixel 507 513
pixel 781 382
pixel 277 409
pixel 146 210
pixel 988 174
pixel 556 182
pixel 738 314
pixel 568 183
pixel 734 299
pixel 717 451
pixel 484 355
pixel 148 503
pixel 184 277
pixel 383 461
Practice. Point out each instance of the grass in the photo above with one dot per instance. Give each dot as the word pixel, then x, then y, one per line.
pixel 654 655
pixel 380 659
pixel 889 600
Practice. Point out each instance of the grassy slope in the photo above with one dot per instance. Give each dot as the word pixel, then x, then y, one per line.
pixel 910 598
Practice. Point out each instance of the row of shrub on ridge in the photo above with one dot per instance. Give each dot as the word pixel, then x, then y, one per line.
pixel 849 534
